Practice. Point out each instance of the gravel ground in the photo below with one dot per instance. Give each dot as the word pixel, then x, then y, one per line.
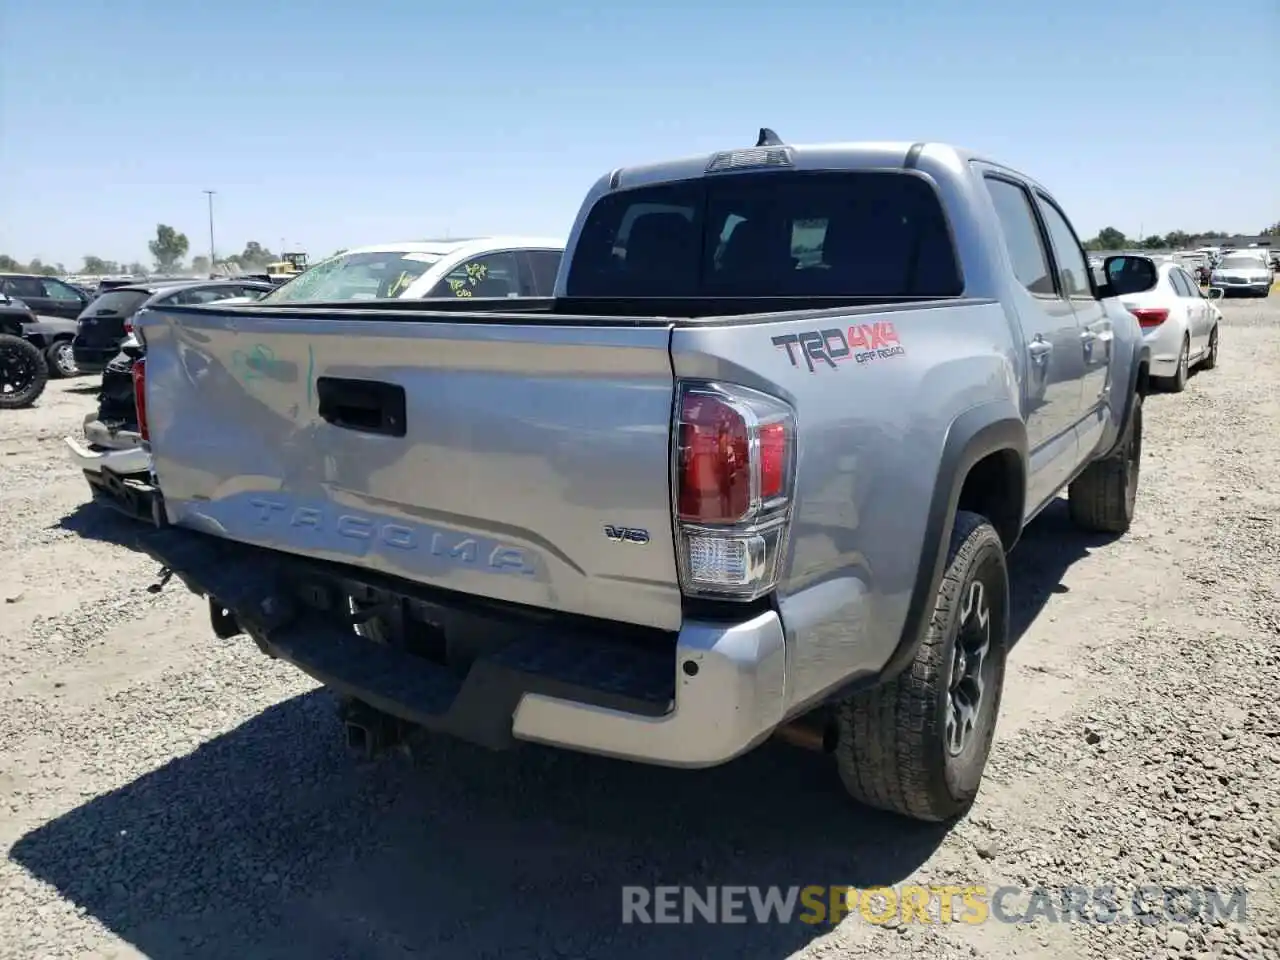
pixel 167 794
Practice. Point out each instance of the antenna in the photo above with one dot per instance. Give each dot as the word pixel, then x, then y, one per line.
pixel 768 138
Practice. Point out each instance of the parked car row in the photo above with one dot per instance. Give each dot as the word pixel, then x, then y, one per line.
pixel 748 461
pixel 508 267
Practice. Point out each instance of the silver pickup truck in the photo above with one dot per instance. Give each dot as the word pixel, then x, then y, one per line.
pixel 755 467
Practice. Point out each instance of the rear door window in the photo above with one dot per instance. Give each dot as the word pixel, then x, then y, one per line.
pixel 879 235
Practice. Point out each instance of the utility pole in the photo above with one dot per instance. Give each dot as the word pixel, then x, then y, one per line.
pixel 213 258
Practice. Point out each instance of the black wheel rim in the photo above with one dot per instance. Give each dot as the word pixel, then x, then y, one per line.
pixel 17 370
pixel 970 667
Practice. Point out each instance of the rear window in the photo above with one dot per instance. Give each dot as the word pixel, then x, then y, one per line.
pixel 123 303
pixel 356 276
pixel 876 234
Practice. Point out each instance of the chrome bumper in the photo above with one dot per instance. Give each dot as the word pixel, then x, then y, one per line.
pixel 92 458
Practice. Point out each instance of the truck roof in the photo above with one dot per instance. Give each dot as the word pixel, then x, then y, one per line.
pixel 857 154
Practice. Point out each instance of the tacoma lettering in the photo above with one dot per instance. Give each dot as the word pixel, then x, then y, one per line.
pixel 461 550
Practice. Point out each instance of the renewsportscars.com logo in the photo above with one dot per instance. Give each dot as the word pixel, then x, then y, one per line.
pixel 972 904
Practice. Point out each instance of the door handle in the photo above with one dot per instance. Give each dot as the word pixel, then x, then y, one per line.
pixel 366 406
pixel 1040 350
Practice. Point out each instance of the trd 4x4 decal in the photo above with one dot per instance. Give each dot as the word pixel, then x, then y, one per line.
pixel 862 342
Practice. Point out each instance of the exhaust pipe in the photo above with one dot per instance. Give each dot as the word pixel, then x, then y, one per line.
pixel 359 740
pixel 820 738
pixel 368 732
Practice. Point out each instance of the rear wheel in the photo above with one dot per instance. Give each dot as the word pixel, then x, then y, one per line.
pixel 1211 358
pixel 918 745
pixel 23 372
pixel 61 359
pixel 1103 498
pixel 1178 382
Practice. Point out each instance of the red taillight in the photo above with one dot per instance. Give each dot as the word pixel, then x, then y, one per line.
pixel 735 466
pixel 715 461
pixel 1150 316
pixel 128 325
pixel 773 460
pixel 140 395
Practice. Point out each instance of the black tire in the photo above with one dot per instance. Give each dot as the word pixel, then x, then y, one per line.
pixel 1102 499
pixel 61 360
pixel 893 751
pixel 1178 382
pixel 23 373
pixel 1211 358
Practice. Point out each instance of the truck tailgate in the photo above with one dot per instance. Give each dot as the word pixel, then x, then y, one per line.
pixel 490 458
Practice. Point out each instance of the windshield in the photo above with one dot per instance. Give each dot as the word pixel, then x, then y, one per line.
pixel 117 303
pixel 769 234
pixel 1242 263
pixel 356 276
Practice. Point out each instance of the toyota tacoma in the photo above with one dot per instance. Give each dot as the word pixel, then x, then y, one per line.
pixel 755 467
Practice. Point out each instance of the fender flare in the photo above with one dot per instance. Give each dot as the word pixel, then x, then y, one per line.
pixel 975 434
pixel 1137 383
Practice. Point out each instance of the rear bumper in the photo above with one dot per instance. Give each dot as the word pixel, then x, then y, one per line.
pixel 121 452
pixel 732 702
pixel 694 699
pixel 93 359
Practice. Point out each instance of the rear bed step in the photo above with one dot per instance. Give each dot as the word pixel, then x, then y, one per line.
pixel 277 600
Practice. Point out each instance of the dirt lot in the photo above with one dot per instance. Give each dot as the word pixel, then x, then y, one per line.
pixel 166 794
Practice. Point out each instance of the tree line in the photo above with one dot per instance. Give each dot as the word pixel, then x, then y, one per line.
pixel 168 253
pixel 1109 238
pixel 170 248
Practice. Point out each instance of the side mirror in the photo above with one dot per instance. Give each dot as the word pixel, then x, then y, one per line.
pixel 1216 293
pixel 1126 274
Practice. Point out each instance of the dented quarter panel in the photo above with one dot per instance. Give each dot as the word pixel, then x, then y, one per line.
pixel 522 445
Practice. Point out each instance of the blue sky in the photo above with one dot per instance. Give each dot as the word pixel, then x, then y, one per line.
pixel 335 124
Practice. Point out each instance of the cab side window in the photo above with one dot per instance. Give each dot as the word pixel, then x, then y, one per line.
pixel 1021 236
